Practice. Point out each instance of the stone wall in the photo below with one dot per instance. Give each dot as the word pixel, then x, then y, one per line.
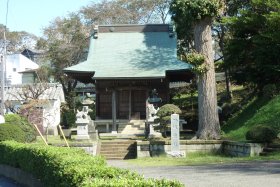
pixel 90 148
pixel 20 176
pixel 242 149
pixel 157 148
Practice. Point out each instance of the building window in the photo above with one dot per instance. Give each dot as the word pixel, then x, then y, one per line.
pixel 14 69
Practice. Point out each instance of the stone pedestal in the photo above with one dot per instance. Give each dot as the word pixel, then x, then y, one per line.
pixel 82 124
pixel 153 133
pixel 82 131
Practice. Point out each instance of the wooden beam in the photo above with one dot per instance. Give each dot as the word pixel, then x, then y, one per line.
pixel 129 105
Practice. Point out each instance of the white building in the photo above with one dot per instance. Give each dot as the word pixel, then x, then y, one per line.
pixel 15 64
pixel 49 101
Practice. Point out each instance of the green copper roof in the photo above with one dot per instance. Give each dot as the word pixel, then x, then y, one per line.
pixel 131 55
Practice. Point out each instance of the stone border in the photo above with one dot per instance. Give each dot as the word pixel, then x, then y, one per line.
pixel 20 176
pixel 242 148
pixel 90 148
pixel 162 147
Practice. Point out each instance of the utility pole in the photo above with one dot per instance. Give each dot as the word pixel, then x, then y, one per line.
pixel 3 67
pixel 3 77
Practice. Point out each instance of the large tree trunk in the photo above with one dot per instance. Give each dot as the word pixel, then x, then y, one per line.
pixel 208 127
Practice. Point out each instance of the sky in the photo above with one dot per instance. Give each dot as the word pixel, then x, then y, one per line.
pixel 33 15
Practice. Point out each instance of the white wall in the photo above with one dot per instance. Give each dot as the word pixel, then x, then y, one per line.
pixel 16 63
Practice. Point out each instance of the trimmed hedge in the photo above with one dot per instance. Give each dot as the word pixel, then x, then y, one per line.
pixel 28 130
pixel 11 132
pixel 261 133
pixel 58 166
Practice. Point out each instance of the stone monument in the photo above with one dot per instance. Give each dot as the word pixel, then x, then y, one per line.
pixel 175 137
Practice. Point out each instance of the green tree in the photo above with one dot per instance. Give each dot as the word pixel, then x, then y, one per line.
pixel 253 49
pixel 16 41
pixel 198 15
pixel 126 12
pixel 66 42
pixel 164 114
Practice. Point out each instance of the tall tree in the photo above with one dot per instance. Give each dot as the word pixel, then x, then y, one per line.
pixel 16 41
pixel 66 42
pixel 253 49
pixel 221 34
pixel 126 12
pixel 198 16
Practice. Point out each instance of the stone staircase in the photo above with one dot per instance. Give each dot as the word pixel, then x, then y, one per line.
pixel 270 148
pixel 134 127
pixel 118 149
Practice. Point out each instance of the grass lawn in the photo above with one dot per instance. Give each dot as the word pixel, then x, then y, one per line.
pixel 257 111
pixel 199 159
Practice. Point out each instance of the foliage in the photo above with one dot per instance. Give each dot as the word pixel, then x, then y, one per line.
pixel 197 60
pixel 260 110
pixel 56 166
pixel 270 90
pixel 261 133
pixel 29 131
pixel 252 51
pixel 66 42
pixel 126 12
pixel 193 11
pixel 11 132
pixel 68 118
pixel 164 114
pixel 16 41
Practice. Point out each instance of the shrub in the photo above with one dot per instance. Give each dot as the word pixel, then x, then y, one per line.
pixel 270 90
pixel 261 133
pixel 59 166
pixel 68 118
pixel 11 132
pixel 164 114
pixel 28 129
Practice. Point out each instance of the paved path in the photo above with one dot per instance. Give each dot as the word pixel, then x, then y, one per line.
pixel 255 174
pixel 5 182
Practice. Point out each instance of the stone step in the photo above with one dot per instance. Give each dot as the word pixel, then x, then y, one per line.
pixel 271 149
pixel 264 154
pixel 118 149
pixel 121 142
pixel 119 157
pixel 114 148
pixel 274 145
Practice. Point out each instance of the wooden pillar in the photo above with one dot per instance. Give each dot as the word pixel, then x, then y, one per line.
pixel 114 110
pixel 129 104
pixel 96 104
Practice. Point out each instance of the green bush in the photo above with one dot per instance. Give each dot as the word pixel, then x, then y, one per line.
pixel 270 90
pixel 260 133
pixel 28 129
pixel 58 166
pixel 11 132
pixel 164 114
pixel 68 118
